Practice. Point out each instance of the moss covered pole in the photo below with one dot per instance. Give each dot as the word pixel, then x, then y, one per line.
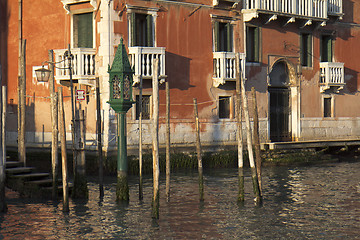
pixel 239 132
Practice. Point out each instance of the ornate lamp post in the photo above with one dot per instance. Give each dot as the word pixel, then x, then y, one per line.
pixel 121 79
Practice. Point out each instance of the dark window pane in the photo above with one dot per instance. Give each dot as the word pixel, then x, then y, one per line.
pixel 223 37
pixel 326 48
pixel 327 107
pixel 142 28
pixel 224 107
pixel 252 44
pixel 306 49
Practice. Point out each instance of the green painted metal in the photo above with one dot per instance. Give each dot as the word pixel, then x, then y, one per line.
pixel 121 80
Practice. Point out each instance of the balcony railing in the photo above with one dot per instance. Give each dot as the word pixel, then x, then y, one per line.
pixel 331 75
pixel 141 59
pixel 83 66
pixel 306 8
pixel 335 7
pixel 225 67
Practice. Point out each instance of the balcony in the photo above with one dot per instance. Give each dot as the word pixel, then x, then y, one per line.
pixel 141 59
pixel 304 10
pixel 83 66
pixel 331 76
pixel 225 67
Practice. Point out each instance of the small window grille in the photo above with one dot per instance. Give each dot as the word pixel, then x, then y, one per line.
pixel 145 107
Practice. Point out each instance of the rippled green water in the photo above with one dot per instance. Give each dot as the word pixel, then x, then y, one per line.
pixel 317 202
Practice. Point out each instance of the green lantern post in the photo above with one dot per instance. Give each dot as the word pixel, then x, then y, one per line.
pixel 121 80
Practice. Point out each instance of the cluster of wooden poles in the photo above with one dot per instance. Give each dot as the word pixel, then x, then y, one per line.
pixel 252 137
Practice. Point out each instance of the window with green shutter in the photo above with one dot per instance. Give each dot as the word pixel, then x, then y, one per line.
pixel 141 30
pixel 83 30
pixel 306 49
pixel 326 48
pixel 252 44
pixel 223 37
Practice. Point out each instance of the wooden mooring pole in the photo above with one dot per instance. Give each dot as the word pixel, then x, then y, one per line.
pixel 3 205
pixel 99 139
pixel 21 105
pixel 54 128
pixel 241 195
pixel 63 152
pixel 80 189
pixel 167 141
pixel 255 181
pixel 256 139
pixel 155 140
pixel 198 151
pixel 140 142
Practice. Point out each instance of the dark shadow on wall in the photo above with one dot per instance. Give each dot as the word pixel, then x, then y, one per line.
pixel 178 71
pixel 351 77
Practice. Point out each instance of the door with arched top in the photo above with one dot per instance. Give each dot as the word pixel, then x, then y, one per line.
pixel 279 103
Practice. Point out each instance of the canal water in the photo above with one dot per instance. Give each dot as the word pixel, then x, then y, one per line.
pixel 313 202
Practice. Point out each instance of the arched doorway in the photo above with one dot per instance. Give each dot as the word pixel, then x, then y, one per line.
pixel 279 103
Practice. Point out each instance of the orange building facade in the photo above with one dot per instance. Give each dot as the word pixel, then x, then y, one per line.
pixel 300 56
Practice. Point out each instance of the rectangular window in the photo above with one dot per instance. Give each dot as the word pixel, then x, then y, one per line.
pixel 224 107
pixel 145 107
pixel 326 48
pixel 327 107
pixel 223 37
pixel 141 30
pixel 252 44
pixel 83 30
pixel 306 49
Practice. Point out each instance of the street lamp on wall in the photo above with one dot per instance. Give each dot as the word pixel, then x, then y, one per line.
pixel 42 74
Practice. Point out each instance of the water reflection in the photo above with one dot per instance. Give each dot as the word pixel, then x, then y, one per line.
pixel 319 202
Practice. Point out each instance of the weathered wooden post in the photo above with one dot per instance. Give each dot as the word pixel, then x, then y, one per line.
pixel 140 142
pixel 167 141
pixel 21 105
pixel 241 195
pixel 249 143
pixel 3 206
pixel 99 139
pixel 256 139
pixel 198 151
pixel 121 80
pixel 54 127
pixel 155 140
pixel 80 189
pixel 63 152
pixel 4 111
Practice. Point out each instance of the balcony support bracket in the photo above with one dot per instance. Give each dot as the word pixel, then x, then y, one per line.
pixel 271 18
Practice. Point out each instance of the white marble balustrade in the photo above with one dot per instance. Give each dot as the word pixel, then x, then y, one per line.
pixel 225 68
pixel 141 59
pixel 83 65
pixel 307 8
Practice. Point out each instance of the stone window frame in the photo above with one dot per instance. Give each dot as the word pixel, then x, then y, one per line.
pixel 153 11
